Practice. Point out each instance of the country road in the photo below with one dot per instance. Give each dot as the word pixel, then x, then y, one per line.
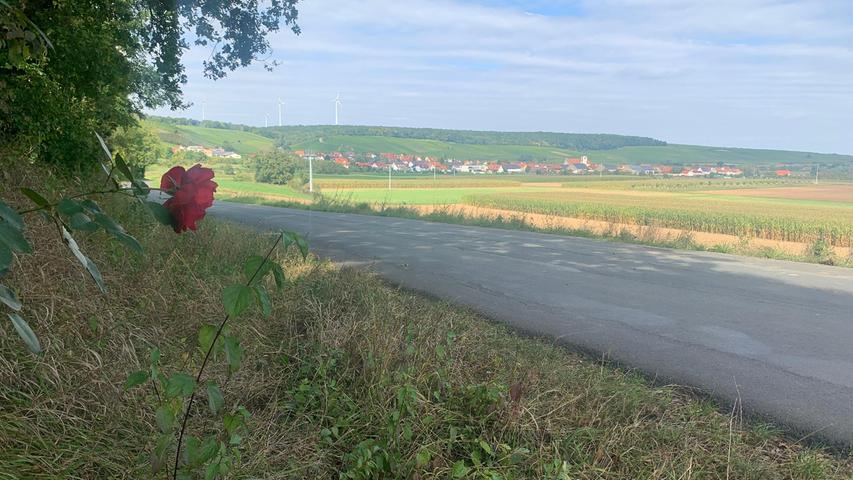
pixel 776 335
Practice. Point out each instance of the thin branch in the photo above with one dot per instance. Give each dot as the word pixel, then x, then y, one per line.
pixel 79 195
pixel 187 411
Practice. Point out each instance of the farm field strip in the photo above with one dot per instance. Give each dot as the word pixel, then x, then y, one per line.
pixel 789 222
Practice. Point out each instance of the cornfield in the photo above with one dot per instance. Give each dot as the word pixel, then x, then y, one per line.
pixel 751 219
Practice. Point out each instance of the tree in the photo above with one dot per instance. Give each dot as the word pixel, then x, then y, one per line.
pixel 275 167
pixel 111 59
pixel 138 145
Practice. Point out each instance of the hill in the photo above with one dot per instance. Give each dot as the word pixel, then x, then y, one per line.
pixel 472 145
pixel 239 141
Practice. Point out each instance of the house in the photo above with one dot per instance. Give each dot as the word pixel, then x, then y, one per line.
pixel 495 168
pixel 514 168
pixel 576 168
pixel 783 173
pixel 342 161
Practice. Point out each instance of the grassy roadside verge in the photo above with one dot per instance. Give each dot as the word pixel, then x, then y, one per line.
pixel 819 252
pixel 349 377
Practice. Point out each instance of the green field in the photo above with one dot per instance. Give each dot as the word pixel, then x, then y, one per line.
pixel 693 154
pixel 244 143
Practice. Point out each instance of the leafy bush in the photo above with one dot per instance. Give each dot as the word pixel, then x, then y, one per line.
pixel 275 167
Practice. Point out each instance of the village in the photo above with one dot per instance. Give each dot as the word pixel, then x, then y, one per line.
pixel 408 163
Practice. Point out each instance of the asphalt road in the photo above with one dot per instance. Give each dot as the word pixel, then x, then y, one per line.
pixel 776 335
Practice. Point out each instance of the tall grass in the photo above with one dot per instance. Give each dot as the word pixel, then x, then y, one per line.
pixel 350 377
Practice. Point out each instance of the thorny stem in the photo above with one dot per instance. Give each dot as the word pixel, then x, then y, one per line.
pixel 188 410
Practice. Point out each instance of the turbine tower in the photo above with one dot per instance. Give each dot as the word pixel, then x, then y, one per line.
pixel 203 107
pixel 280 104
pixel 337 107
pixel 266 120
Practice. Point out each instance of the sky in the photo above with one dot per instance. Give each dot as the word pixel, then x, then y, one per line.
pixel 736 73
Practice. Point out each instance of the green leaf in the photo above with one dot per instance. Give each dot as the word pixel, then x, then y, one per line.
pixel 5 258
pixel 84 260
pixel 198 453
pixel 258 264
pixel 128 240
pixel 207 450
pixel 422 458
pixel 122 167
pixel 459 469
pixel 180 384
pixel 13 238
pixel 206 334
pixel 104 146
pixel 35 197
pixel 69 207
pixel 140 188
pixel 160 213
pixel 154 356
pixel 237 298
pixel 10 216
pixel 264 300
pixel 165 418
pixel 233 423
pixel 26 333
pixel 292 238
pixel 303 246
pixel 278 274
pixel 108 223
pixel 81 221
pixel 233 353
pixel 215 400
pixel 9 298
pixel 212 471
pixel 91 206
pixel 160 454
pixel 135 379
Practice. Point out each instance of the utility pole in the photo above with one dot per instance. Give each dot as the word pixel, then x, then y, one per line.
pixel 311 174
pixel 816 173
pixel 389 176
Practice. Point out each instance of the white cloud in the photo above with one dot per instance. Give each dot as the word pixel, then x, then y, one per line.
pixel 771 73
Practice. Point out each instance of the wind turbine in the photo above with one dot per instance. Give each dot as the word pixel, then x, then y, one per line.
pixel 203 107
pixel 337 107
pixel 266 120
pixel 280 104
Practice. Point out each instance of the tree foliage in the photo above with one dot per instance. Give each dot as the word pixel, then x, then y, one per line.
pixel 276 167
pixel 111 59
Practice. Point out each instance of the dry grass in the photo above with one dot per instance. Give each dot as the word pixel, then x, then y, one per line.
pixel 349 377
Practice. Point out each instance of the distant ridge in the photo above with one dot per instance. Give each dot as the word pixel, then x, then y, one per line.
pixel 299 133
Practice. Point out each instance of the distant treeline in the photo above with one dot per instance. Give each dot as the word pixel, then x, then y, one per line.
pixel 300 133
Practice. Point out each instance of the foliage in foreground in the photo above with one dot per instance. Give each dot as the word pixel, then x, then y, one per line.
pixel 348 377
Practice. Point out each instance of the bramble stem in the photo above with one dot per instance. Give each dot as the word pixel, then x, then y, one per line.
pixel 207 357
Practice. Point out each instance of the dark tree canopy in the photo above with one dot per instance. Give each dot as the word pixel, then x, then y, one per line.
pixel 100 62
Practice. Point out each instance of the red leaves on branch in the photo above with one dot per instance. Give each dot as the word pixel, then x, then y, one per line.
pixel 192 194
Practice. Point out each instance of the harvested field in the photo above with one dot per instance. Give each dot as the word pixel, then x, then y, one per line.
pixel 831 193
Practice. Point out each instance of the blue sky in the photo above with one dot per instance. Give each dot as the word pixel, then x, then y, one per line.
pixel 750 73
